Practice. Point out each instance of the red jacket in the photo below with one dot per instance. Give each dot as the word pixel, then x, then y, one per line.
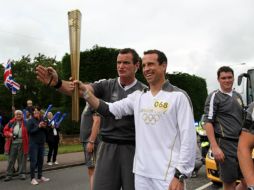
pixel 8 130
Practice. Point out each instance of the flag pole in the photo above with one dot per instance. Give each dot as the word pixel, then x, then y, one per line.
pixel 12 104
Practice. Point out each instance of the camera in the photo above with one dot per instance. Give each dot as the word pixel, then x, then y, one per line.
pixel 14 137
pixel 45 120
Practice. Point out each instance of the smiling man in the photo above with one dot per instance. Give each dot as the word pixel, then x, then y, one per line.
pixel 223 123
pixel 165 133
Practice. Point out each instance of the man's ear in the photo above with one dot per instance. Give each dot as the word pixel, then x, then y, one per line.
pixel 165 65
pixel 137 67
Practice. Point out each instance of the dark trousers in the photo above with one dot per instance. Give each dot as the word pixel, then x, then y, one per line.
pixel 36 158
pixel 113 169
pixel 53 149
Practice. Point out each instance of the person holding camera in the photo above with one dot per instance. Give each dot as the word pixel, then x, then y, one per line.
pixel 16 145
pixel 37 134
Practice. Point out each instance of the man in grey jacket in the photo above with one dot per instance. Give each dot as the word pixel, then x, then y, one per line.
pixel 223 123
pixel 116 151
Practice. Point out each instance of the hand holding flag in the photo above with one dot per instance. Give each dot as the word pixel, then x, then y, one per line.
pixel 55 118
pixel 57 123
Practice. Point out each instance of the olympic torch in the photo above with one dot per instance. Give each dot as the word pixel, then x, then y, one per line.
pixel 74 22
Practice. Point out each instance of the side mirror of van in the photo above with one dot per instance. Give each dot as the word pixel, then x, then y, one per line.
pixel 240 78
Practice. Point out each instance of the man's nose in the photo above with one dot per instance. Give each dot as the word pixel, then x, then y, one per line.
pixel 145 68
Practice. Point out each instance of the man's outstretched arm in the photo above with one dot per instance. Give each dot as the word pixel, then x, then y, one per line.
pixel 245 147
pixel 93 101
pixel 49 77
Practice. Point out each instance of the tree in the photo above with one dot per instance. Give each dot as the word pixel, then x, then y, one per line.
pixel 95 64
pixel 31 88
pixel 23 72
pixel 195 87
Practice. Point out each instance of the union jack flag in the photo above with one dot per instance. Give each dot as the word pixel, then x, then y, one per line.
pixel 8 79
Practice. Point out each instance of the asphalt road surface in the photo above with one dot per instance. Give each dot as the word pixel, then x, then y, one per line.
pixel 76 178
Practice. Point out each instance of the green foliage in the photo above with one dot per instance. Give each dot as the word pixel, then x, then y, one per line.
pixel 6 98
pixel 23 72
pixel 3 157
pixel 195 87
pixel 95 64
pixel 31 88
pixel 63 149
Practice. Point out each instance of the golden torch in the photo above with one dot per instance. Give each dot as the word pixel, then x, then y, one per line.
pixel 74 22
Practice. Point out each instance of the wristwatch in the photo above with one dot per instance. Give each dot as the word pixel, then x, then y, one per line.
pixel 181 177
pixel 251 187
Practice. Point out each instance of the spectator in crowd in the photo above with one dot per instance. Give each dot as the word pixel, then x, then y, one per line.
pixel 2 139
pixel 245 148
pixel 223 124
pixel 89 130
pixel 52 140
pixel 37 134
pixel 165 133
pixel 27 115
pixel 16 145
pixel 29 106
pixel 115 159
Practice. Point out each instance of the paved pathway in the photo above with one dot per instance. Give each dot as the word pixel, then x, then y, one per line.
pixel 65 160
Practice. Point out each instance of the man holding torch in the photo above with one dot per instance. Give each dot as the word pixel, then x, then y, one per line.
pixel 115 158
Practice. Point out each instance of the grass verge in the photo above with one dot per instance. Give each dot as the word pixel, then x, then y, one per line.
pixel 70 148
pixel 61 150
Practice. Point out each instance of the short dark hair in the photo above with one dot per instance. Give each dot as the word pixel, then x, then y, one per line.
pixel 37 108
pixel 161 56
pixel 224 69
pixel 135 55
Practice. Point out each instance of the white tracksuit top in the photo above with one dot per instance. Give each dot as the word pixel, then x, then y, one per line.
pixel 165 132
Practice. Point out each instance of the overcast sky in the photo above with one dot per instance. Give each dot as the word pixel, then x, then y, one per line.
pixel 198 36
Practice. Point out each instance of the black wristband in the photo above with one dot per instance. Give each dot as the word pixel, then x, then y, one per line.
pixel 50 81
pixel 58 84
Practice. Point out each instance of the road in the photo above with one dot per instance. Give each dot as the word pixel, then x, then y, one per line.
pixel 201 182
pixel 73 178
pixel 76 178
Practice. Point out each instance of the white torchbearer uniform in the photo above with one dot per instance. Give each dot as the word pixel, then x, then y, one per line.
pixel 165 132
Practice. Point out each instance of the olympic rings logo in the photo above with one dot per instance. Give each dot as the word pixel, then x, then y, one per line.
pixel 150 118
